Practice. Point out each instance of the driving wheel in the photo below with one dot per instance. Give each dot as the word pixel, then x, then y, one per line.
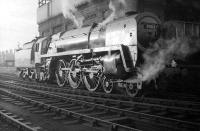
pixel 74 76
pixel 60 74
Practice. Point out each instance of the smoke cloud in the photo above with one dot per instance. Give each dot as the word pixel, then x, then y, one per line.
pixel 69 10
pixel 163 51
pixel 118 10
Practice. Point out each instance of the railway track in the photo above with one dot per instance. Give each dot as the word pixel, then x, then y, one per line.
pixel 61 112
pixel 114 98
pixel 6 126
pixel 120 114
pixel 18 122
pixel 175 99
pixel 46 120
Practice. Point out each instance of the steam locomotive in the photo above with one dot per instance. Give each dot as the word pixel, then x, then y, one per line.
pixel 98 57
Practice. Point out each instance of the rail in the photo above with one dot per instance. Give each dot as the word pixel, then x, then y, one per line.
pixel 158 119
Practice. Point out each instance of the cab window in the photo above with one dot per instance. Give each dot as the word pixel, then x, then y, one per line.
pixel 37 47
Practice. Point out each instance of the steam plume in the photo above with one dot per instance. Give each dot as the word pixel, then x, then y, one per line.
pixel 110 57
pixel 118 10
pixel 69 10
pixel 163 51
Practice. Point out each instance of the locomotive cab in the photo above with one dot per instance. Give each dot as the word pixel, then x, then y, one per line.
pixel 39 48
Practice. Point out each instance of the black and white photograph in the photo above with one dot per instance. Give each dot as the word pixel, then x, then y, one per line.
pixel 99 65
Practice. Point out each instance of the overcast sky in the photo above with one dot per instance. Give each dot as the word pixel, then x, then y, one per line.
pixel 17 22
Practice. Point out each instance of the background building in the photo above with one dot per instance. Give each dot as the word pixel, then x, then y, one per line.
pixel 51 20
pixel 7 58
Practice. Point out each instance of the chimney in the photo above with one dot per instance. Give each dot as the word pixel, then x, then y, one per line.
pixel 131 7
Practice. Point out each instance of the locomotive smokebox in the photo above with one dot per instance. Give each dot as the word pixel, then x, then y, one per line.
pixel 148 29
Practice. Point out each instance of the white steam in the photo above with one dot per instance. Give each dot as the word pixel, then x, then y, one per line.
pixel 110 57
pixel 118 10
pixel 162 52
pixel 69 10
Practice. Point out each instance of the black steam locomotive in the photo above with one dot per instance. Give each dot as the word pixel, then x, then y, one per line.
pixel 95 56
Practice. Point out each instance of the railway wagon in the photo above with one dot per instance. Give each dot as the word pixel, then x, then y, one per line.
pixel 97 56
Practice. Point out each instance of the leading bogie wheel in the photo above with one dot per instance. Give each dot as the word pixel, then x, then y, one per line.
pixel 133 89
pixel 107 85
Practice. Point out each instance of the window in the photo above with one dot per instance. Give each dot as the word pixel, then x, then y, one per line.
pixel 43 2
pixel 37 47
pixel 45 44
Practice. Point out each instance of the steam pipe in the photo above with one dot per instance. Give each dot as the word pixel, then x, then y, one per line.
pixel 90 31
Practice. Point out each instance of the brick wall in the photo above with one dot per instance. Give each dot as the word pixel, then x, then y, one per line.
pixel 96 11
pixel 92 12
